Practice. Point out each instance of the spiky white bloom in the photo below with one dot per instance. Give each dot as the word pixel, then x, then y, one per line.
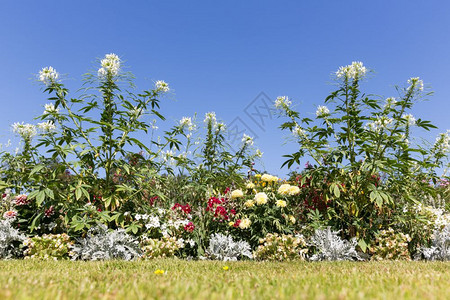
pixel 186 122
pixel 210 117
pixel 283 102
pixel 390 101
pixel 48 76
pixel 261 198
pixel 50 109
pixel 379 124
pixel 442 144
pixel 245 223
pixel 298 132
pixel 26 131
pixel 355 71
pixel 110 66
pixel 237 194
pixel 322 111
pixel 248 140
pixel 47 126
pixel 410 120
pixel 220 127
pixel 258 153
pixel 415 84
pixel 162 86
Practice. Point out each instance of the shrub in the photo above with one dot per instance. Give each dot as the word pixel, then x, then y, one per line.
pixel 10 240
pixel 440 246
pixel 48 246
pixel 330 246
pixel 165 247
pixel 281 247
pixel 390 245
pixel 222 247
pixel 101 244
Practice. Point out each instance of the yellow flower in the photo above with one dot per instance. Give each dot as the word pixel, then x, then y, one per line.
pixel 249 203
pixel 258 175
pixel 284 189
pixel 261 198
pixel 292 219
pixel 281 203
pixel 294 190
pixel 237 194
pixel 230 223
pixel 250 185
pixel 269 178
pixel 225 268
pixel 245 223
pixel 159 272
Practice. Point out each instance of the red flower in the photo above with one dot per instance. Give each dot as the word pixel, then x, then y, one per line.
pixel 50 211
pixel 189 227
pixel 236 224
pixel 184 208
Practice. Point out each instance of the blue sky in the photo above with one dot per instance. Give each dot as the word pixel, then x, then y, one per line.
pixel 220 55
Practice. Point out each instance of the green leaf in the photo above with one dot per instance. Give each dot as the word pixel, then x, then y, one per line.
pixel 40 197
pixel 363 245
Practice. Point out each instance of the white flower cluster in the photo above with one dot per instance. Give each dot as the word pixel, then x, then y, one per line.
pixel 282 102
pixel 47 126
pixel 390 102
pixel 162 86
pixel 354 71
pixel 186 122
pixel 110 66
pixel 258 153
pixel 298 132
pixel 247 140
pixel 410 120
pixel 379 124
pixel 442 143
pixel 322 111
pixel 50 109
pixel 210 117
pixel 26 131
pixel 48 76
pixel 415 84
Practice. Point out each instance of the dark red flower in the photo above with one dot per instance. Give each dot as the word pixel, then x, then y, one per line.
pixel 189 227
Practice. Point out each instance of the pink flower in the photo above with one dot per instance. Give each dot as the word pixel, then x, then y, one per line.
pixel 10 214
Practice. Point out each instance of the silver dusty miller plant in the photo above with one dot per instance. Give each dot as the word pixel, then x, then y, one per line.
pixel 10 240
pixel 330 246
pixel 440 246
pixel 101 244
pixel 222 247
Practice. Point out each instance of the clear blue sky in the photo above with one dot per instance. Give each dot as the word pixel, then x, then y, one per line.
pixel 219 55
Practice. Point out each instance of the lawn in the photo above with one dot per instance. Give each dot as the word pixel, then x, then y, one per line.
pixel 25 279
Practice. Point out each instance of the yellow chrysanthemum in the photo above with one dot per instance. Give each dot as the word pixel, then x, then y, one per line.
pixel 249 203
pixel 281 203
pixel 250 185
pixel 294 190
pixel 237 194
pixel 261 198
pixel 292 219
pixel 245 223
pixel 284 189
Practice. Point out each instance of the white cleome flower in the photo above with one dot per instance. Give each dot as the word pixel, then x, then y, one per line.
pixel 415 84
pixel 186 122
pixel 50 109
pixel 210 117
pixel 26 131
pixel 442 144
pixel 282 102
pixel 248 140
pixel 258 153
pixel 47 126
pixel 298 132
pixel 355 71
pixel 410 120
pixel 322 111
pixel 162 86
pixel 48 76
pixel 110 66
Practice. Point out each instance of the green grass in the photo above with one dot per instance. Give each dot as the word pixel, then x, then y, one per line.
pixel 27 279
